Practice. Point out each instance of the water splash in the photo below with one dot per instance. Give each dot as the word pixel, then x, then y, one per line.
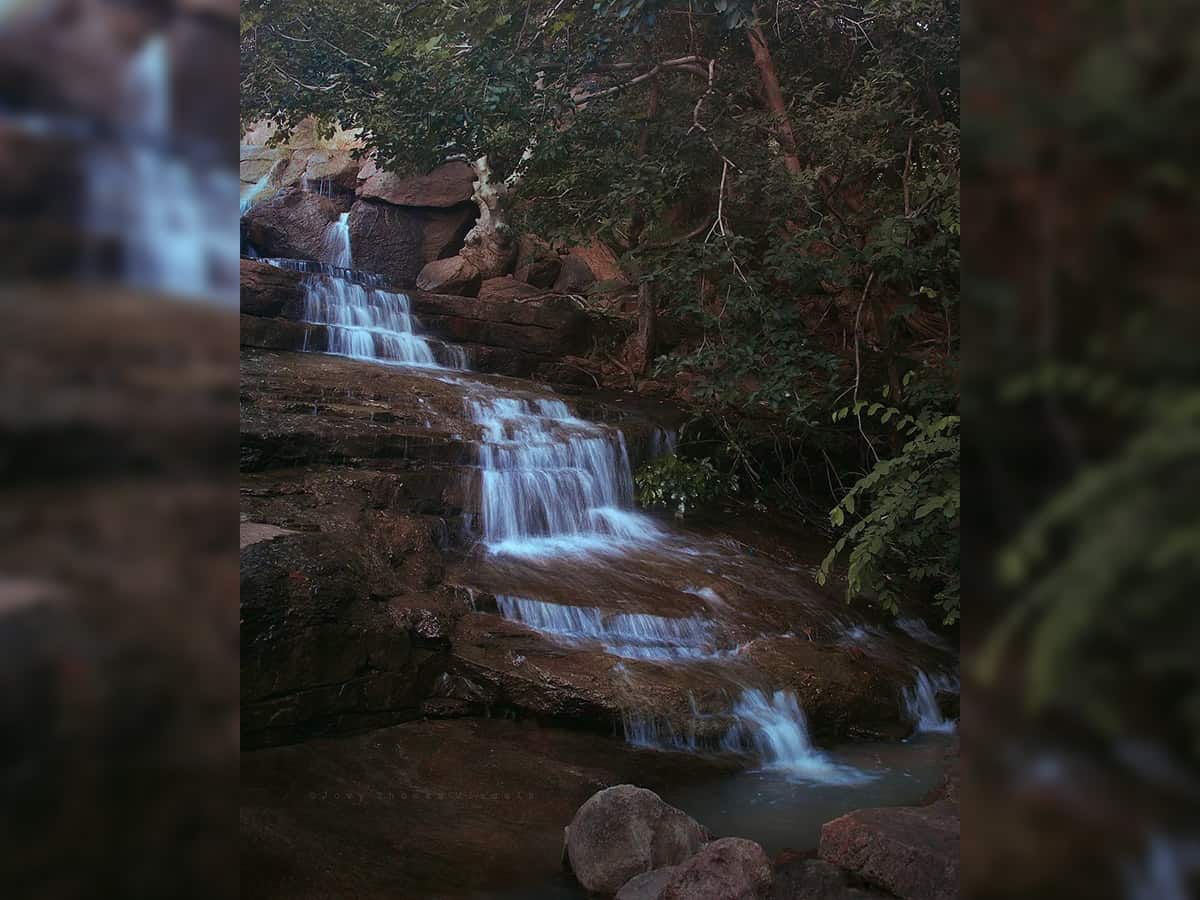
pixel 921 706
pixel 552 483
pixel 776 730
pixel 628 635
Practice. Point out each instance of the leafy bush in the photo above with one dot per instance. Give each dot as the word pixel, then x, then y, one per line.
pixel 907 510
pixel 681 484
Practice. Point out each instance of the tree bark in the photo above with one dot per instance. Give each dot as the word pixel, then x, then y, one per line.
pixel 647 329
pixel 774 95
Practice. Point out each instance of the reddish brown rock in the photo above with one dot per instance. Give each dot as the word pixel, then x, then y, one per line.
pixel 443 230
pixel 449 276
pixel 574 276
pixel 646 886
pixel 387 240
pixel 291 224
pixel 623 831
pixel 270 291
pixel 506 287
pixel 911 851
pixel 728 869
pixel 447 185
pixel 282 334
pixel 537 264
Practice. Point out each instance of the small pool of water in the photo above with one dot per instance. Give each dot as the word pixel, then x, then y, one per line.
pixel 781 813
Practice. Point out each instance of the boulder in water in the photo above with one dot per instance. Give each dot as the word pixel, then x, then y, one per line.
pixel 624 831
pixel 910 851
pixel 291 224
pixel 450 276
pixel 648 885
pixel 447 185
pixel 728 869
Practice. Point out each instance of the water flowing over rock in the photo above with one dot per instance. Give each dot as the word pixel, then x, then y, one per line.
pixel 551 482
pixel 362 322
pixel 624 831
pixel 291 224
pixel 921 702
pixel 628 635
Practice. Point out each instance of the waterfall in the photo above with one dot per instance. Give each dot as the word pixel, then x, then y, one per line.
pixel 171 217
pixel 335 248
pixel 777 731
pixel 628 635
pixel 921 706
pixel 362 321
pixel 550 482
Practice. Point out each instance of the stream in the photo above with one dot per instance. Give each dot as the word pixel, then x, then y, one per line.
pixel 701 649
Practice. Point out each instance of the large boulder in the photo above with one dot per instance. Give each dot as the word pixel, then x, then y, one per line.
pixel 728 869
pixel 646 886
pixel 447 185
pixel 449 276
pixel 443 230
pixel 388 240
pixel 537 263
pixel 507 288
pixel 910 851
pixel 623 831
pixel 291 224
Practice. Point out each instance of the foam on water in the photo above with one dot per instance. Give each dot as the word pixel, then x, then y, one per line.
pixel 776 729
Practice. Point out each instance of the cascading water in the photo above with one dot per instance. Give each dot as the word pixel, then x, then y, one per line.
pixel 776 729
pixel 628 635
pixel 552 483
pixel 170 215
pixel 363 321
pixel 921 706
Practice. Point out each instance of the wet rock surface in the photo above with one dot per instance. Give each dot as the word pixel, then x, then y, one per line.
pixel 625 831
pixel 911 851
pixel 452 808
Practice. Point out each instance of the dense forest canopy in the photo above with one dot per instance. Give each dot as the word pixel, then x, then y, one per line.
pixel 779 179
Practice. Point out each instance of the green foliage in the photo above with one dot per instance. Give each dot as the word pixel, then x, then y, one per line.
pixel 642 123
pixel 900 521
pixel 680 484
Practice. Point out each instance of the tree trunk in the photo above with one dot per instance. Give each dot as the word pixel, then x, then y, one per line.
pixel 489 246
pixel 774 95
pixel 643 349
